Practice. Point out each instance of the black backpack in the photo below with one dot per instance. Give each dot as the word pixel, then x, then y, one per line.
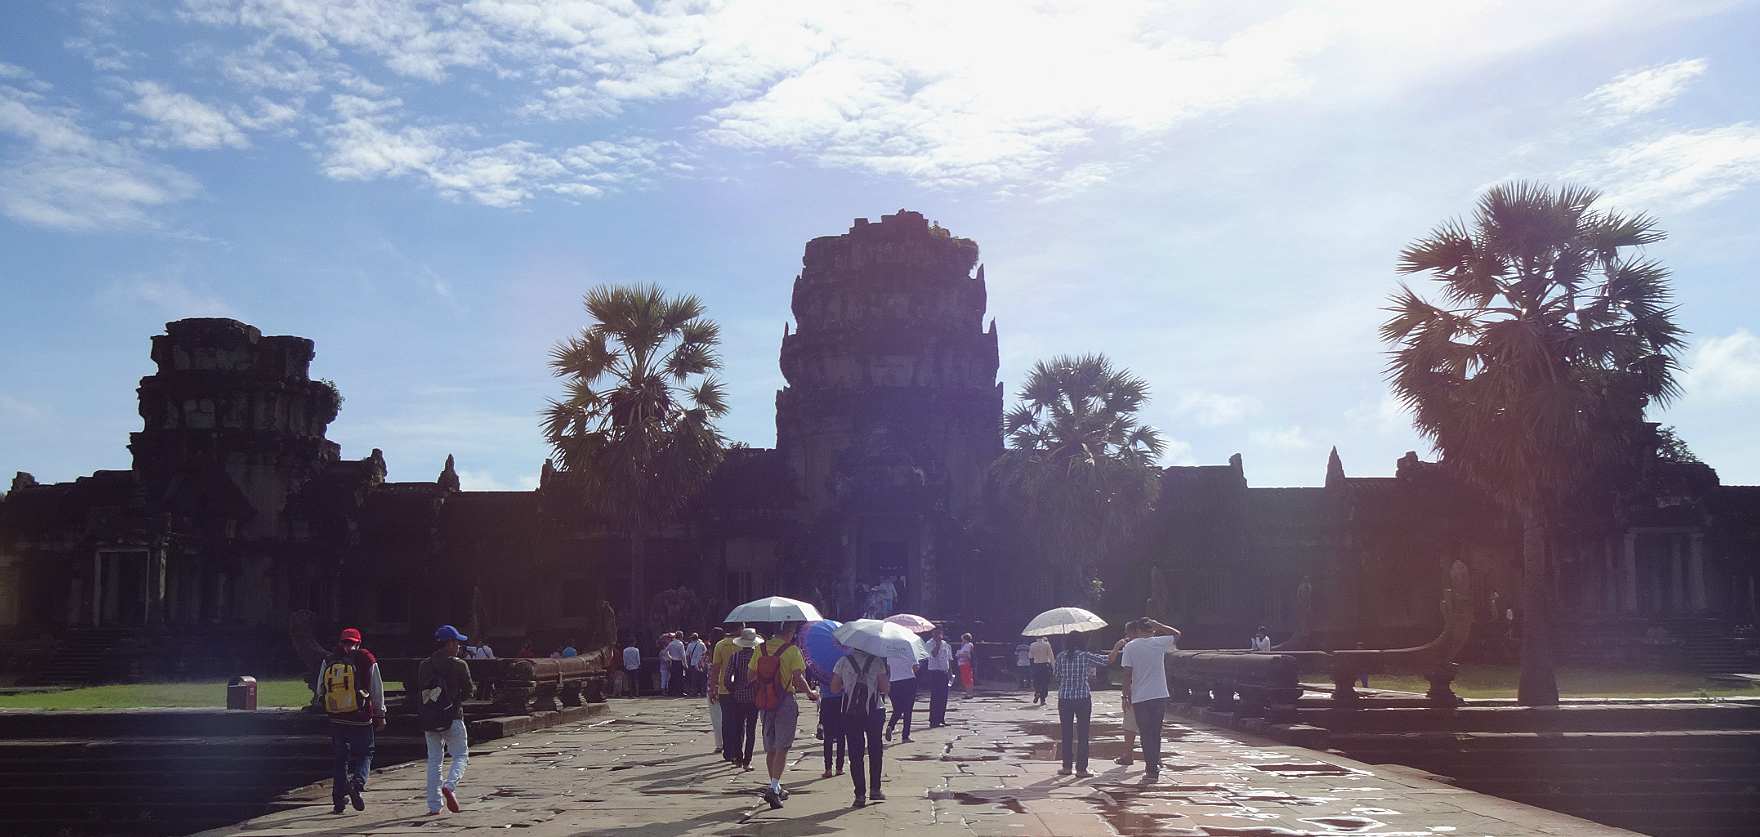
pixel 858 700
pixel 439 706
pixel 739 677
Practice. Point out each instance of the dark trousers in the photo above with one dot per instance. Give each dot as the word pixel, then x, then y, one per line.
pixel 632 681
pixel 739 730
pixel 864 739
pixel 831 721
pixel 937 698
pixel 1074 715
pixel 675 686
pixel 904 699
pixel 1041 680
pixel 1149 714
pixel 351 754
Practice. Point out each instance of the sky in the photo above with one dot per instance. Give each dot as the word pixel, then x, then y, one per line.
pixel 1211 194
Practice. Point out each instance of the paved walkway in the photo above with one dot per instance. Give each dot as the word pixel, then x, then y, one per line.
pixel 645 769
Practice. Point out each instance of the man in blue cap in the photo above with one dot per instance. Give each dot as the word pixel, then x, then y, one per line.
pixel 445 681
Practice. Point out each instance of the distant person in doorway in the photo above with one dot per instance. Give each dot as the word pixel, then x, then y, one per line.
pixel 936 670
pixel 1262 640
pixel 888 596
pixel 632 670
pixel 353 695
pixel 525 651
pixel 1041 656
pixel 964 657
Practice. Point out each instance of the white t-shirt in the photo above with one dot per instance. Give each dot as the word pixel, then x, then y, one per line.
pixel 1146 658
pixel 899 668
pixel 940 655
pixel 675 651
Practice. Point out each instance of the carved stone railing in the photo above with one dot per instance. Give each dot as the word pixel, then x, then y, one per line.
pixel 1245 685
pixel 518 685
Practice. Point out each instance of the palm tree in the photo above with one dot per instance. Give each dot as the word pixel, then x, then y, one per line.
pixel 636 433
pixel 1081 471
pixel 1534 372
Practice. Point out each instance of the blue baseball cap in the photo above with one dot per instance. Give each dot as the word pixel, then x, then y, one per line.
pixel 447 632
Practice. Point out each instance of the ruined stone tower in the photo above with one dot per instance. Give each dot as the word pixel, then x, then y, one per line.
pixel 232 424
pixel 892 412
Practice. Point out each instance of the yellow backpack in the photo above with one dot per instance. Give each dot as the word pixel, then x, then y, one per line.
pixel 341 687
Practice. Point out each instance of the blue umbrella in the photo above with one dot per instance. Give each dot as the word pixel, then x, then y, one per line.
pixel 820 649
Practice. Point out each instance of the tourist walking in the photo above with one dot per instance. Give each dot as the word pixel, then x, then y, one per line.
pixel 694 652
pixel 1145 687
pixel 779 672
pixel 1075 703
pixel 888 596
pixel 701 672
pixel 737 694
pixel 445 680
pixel 673 659
pixel 964 657
pixel 1041 656
pixel 353 695
pixel 831 727
pixel 936 671
pixel 1126 716
pixel 632 670
pixel 862 678
pixel 903 673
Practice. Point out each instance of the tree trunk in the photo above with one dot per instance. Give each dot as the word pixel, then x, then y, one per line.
pixel 1538 685
pixel 638 549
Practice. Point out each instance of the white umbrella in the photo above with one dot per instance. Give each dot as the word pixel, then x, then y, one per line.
pixel 886 639
pixel 911 622
pixel 774 609
pixel 1063 620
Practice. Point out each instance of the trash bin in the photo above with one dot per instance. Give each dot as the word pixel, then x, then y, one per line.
pixel 241 693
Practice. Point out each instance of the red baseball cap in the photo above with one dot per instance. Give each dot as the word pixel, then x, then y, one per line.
pixel 351 635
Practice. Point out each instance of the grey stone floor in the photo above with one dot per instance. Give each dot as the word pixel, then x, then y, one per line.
pixel 645 769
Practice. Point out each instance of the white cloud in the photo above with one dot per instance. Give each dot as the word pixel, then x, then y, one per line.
pixel 1645 90
pixel 1208 409
pixel 16 412
pixel 1176 452
pixel 1679 171
pixel 1291 438
pixel 171 296
pixel 180 120
pixel 64 177
pixel 1386 415
pixel 485 481
pixel 1724 368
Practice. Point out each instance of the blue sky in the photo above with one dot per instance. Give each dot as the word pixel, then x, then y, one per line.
pixel 1213 194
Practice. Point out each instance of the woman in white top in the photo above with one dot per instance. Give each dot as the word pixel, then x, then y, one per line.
pixel 964 655
pixel 862 723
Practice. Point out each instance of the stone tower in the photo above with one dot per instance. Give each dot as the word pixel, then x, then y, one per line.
pixel 232 424
pixel 892 412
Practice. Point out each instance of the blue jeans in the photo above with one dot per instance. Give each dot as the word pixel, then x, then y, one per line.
pixel 1149 714
pixel 1074 715
pixel 351 755
pixel 453 741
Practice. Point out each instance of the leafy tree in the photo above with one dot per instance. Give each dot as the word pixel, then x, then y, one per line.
pixel 636 434
pixel 1081 471
pixel 1533 373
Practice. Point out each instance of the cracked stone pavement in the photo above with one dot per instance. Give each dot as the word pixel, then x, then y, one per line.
pixel 645 769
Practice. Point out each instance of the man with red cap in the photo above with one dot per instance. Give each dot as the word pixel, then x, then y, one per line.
pixel 349 688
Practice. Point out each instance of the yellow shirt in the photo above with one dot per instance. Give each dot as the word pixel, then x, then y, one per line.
pixel 792 661
pixel 724 651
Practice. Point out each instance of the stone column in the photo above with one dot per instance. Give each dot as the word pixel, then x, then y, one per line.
pixel 1677 587
pixel 1696 572
pixel 1631 572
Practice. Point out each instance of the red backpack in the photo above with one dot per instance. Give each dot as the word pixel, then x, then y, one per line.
pixel 769 678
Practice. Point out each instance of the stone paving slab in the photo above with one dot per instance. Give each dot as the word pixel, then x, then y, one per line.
pixel 645 769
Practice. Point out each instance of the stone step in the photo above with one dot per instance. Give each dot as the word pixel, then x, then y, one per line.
pixel 1708 743
pixel 1606 718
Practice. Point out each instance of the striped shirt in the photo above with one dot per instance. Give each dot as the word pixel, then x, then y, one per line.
pixel 1072 673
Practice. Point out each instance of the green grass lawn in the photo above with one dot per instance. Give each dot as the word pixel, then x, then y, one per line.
pixel 1497 681
pixel 213 693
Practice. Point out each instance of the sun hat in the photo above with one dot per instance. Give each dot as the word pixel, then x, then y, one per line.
pixel 748 638
pixel 447 632
pixel 351 635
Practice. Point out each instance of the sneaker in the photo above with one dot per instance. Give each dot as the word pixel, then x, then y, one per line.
pixel 1122 760
pixel 451 799
pixel 354 798
pixel 1064 772
pixel 770 796
pixel 1151 778
pixel 827 774
pixel 339 808
pixel 782 792
pixel 1083 774
pixel 861 801
pixel 877 796
pixel 905 740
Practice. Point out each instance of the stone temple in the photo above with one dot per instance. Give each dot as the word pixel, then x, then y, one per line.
pixel 238 512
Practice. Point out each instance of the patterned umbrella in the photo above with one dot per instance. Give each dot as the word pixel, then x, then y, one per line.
pixel 911 622
pixel 821 650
